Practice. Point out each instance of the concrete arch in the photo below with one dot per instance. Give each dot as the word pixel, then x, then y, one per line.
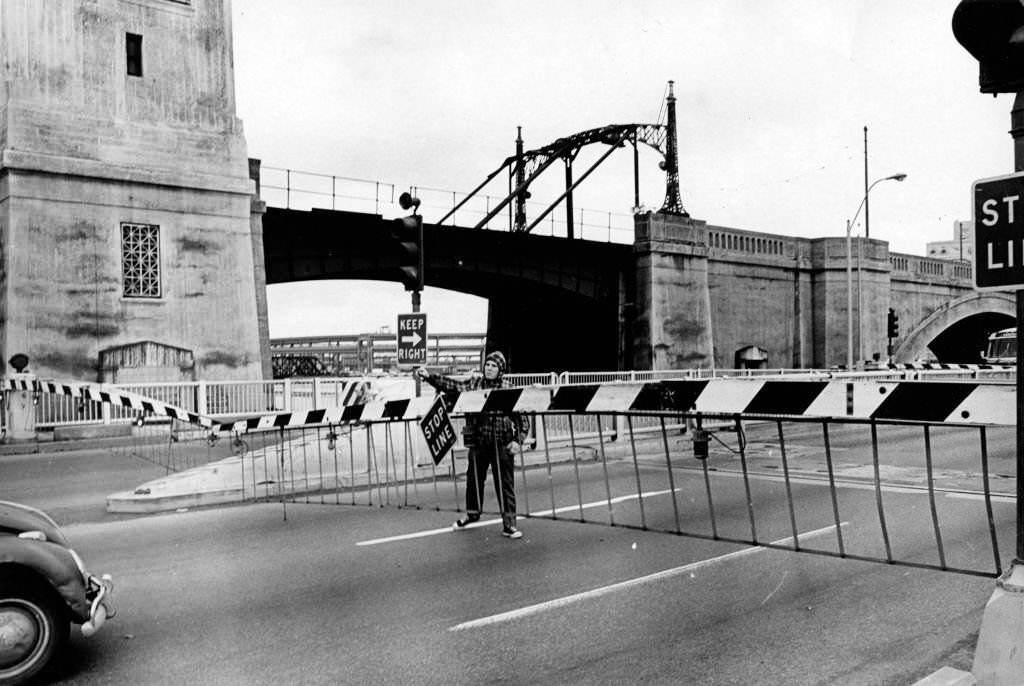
pixel 915 344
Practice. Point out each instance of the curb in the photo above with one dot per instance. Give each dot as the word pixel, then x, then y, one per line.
pixel 217 483
pixel 947 676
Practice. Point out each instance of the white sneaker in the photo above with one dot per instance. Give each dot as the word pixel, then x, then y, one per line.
pixel 511 532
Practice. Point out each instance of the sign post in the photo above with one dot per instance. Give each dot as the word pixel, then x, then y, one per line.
pixel 998 254
pixel 989 31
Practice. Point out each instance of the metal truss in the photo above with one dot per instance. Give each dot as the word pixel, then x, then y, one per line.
pixel 525 167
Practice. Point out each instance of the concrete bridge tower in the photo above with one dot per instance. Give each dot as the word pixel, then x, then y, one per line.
pixel 130 243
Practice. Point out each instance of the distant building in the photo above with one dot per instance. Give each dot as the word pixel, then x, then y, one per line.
pixel 957 249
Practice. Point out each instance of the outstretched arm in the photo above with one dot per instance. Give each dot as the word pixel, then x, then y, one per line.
pixel 446 383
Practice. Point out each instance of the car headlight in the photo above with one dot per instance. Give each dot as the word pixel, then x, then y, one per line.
pixel 33 536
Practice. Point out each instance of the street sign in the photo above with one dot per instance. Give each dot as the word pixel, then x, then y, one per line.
pixel 438 430
pixel 412 339
pixel 998 213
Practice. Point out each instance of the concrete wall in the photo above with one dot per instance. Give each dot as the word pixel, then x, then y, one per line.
pixel 673 327
pixel 785 295
pixel 86 147
pixel 864 290
pixel 760 288
pixel 70 56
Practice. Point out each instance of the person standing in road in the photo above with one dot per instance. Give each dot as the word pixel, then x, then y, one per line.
pixel 492 439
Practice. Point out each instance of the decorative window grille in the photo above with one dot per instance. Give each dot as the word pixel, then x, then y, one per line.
pixel 140 260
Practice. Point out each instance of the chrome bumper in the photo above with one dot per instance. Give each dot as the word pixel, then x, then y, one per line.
pixel 100 589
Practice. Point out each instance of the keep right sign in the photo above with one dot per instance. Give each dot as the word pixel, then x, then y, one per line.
pixel 999 233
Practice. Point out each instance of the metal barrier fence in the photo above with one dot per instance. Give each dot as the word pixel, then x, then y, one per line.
pixel 903 475
pixel 892 492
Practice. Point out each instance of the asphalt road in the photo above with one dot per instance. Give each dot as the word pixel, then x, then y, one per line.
pixel 72 486
pixel 355 594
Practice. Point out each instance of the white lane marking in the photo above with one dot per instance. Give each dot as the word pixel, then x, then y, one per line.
pixel 996 497
pixel 430 532
pixel 886 488
pixel 489 522
pixel 605 590
pixel 840 482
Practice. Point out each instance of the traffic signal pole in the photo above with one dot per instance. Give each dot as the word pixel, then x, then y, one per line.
pixel 1017 131
pixel 992 31
pixel 415 310
pixel 416 293
pixel 999 654
pixel 409 233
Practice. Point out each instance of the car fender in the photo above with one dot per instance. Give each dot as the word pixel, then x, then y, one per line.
pixel 54 563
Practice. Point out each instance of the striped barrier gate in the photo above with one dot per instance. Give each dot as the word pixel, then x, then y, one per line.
pixel 855 460
pixel 919 401
pixel 102 393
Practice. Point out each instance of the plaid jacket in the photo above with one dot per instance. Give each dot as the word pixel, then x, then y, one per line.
pixel 484 429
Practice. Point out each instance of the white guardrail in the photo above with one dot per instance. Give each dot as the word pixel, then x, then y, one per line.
pixel 233 398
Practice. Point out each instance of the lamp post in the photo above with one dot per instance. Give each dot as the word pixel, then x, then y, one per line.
pixel 849 269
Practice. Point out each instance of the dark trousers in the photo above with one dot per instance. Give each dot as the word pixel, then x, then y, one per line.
pixel 501 462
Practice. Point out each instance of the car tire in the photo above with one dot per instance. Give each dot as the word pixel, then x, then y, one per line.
pixel 33 628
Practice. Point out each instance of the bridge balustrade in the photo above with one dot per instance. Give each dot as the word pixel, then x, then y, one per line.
pixel 915 266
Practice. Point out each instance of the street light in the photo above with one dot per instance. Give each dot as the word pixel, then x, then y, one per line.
pixel 849 268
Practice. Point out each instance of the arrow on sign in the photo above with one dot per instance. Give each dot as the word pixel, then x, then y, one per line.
pixel 415 338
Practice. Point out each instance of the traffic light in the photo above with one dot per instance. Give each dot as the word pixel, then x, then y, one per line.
pixel 408 233
pixel 893 324
pixel 993 32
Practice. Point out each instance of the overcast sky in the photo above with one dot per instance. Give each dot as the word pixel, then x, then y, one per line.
pixel 773 97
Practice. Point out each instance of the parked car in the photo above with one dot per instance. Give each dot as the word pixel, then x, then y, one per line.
pixel 44 589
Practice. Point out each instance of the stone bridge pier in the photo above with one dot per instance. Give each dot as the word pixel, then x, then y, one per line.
pixel 673 325
pixel 709 296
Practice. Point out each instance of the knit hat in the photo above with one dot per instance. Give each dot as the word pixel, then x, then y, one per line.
pixel 498 359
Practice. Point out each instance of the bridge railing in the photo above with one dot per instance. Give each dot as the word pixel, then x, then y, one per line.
pixel 303 190
pixel 354 354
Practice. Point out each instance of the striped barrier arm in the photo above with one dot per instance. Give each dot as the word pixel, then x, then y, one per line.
pixel 378 410
pixel 911 366
pixel 921 401
pixel 112 396
pixel 918 401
